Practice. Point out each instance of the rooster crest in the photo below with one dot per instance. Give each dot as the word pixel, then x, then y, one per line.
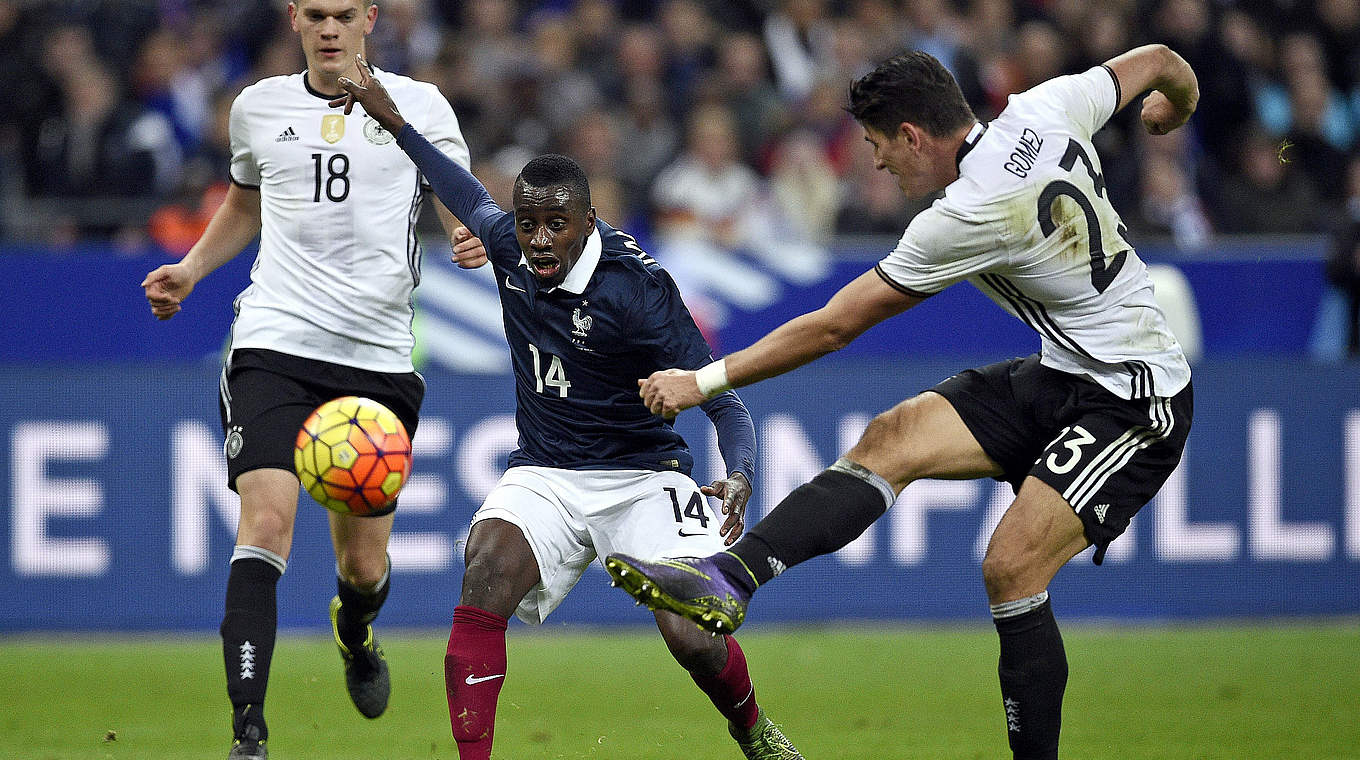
pixel 581 323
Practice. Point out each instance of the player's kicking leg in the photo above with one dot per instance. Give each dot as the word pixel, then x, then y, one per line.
pixel 363 580
pixel 817 518
pixel 714 591
pixel 718 667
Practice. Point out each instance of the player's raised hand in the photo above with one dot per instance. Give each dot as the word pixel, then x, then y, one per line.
pixel 468 251
pixel 166 288
pixel 735 491
pixel 370 93
pixel 670 391
pixel 348 100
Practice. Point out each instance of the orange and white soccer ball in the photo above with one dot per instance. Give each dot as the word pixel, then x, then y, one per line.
pixel 353 456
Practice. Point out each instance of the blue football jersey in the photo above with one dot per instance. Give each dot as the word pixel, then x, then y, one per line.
pixel 578 349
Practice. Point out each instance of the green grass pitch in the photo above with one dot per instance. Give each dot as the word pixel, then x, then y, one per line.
pixel 1288 690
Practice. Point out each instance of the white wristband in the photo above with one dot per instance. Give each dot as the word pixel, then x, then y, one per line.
pixel 712 378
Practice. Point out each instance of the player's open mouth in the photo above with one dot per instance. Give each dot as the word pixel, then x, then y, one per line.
pixel 331 52
pixel 545 266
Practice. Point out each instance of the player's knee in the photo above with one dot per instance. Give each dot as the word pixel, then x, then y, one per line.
pixel 882 431
pixel 1003 573
pixel 888 446
pixel 480 581
pixel 362 570
pixel 500 567
pixel 264 527
pixel 497 583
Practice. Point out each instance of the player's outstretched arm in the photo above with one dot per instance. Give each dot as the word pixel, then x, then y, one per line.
pixel 468 251
pixel 235 223
pixel 863 303
pixel 1175 89
pixel 456 188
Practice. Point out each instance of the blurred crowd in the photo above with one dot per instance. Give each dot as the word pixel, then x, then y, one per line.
pixel 703 123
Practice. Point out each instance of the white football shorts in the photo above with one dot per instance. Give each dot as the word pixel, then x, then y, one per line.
pixel 570 517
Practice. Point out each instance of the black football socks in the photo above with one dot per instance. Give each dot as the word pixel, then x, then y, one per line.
pixel 817 518
pixel 248 628
pixel 358 609
pixel 1033 672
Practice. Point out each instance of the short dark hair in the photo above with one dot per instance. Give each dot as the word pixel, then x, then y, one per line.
pixel 556 170
pixel 912 87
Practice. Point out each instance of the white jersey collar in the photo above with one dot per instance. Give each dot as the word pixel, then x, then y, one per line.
pixel 581 271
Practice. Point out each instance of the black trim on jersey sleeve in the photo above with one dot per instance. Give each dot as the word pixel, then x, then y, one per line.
pixel 239 183
pixel 878 269
pixel 1118 92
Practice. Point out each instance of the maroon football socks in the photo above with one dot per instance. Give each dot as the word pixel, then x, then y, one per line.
pixel 474 669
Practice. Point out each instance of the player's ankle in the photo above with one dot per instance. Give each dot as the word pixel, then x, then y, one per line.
pixel 736 571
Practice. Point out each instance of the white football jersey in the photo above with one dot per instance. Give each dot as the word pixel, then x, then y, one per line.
pixel 338 253
pixel 1029 224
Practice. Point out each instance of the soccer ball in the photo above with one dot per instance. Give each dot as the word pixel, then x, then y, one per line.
pixel 353 456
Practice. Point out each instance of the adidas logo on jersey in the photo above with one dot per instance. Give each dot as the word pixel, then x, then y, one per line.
pixel 1100 512
pixel 287 135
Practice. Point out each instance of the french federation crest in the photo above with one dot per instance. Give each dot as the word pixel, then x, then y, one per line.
pixel 332 127
pixel 581 324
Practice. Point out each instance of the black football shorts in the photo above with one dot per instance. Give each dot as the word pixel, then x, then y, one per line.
pixel 265 396
pixel 1106 455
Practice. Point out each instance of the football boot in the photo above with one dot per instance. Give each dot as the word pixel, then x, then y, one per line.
pixel 366 674
pixel 764 741
pixel 248 746
pixel 695 588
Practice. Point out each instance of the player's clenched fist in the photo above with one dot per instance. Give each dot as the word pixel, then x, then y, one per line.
pixel 670 392
pixel 1160 115
pixel 166 288
pixel 468 251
